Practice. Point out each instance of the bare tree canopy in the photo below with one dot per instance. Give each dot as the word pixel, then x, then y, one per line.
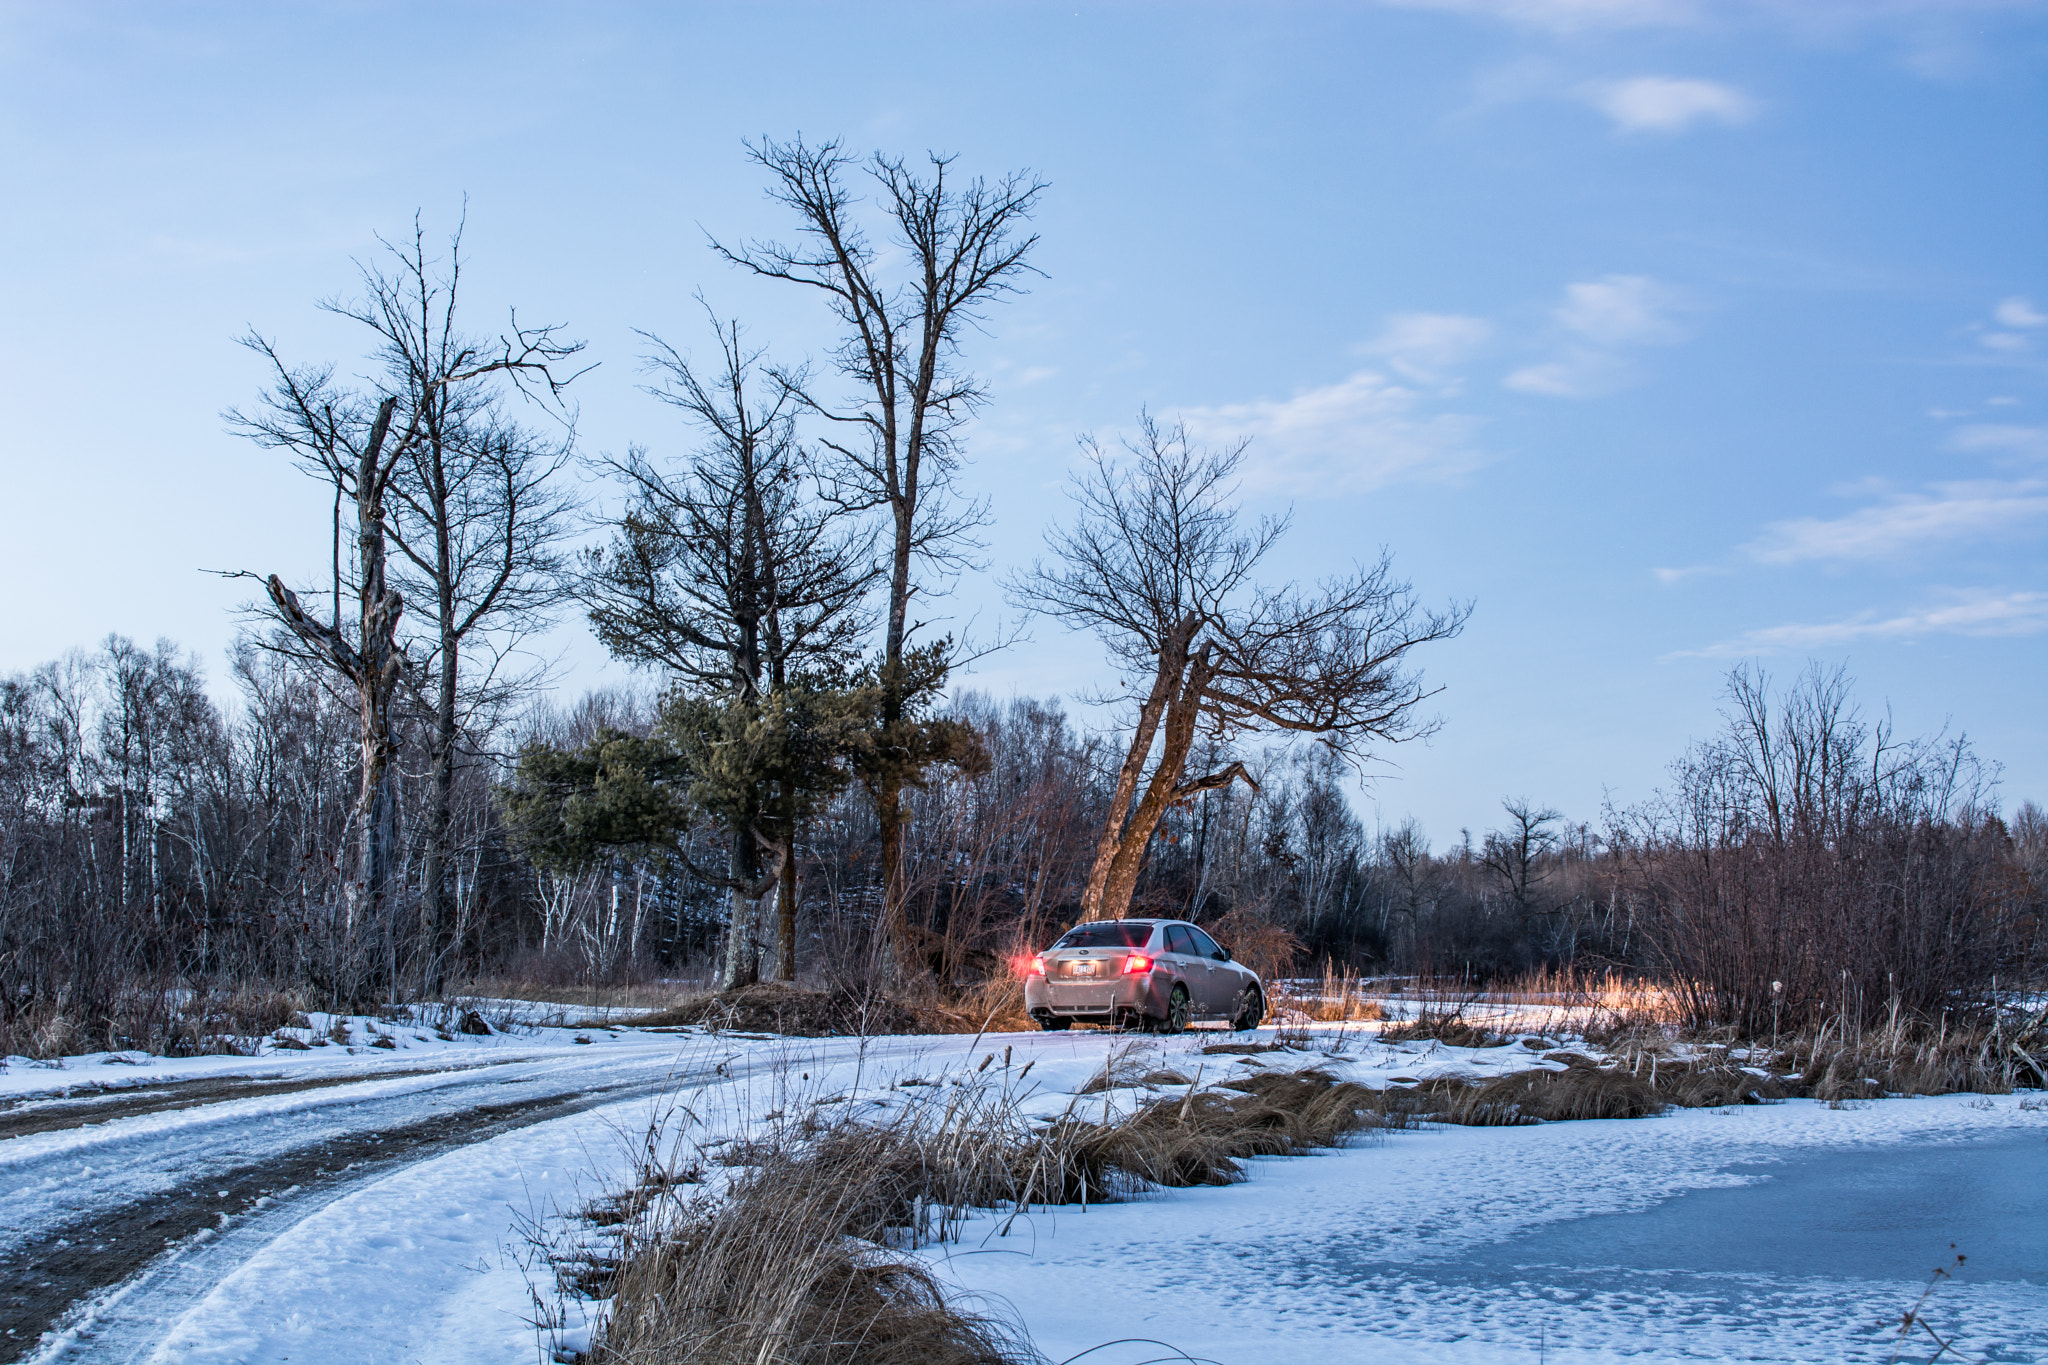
pixel 904 308
pixel 468 498
pixel 1159 564
pixel 733 572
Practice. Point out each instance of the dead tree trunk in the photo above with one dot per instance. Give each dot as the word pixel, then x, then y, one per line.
pixel 374 664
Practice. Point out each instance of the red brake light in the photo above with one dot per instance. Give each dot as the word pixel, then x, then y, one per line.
pixel 1135 963
pixel 1036 967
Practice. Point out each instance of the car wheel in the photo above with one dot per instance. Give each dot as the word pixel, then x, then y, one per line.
pixel 1176 1011
pixel 1251 1010
pixel 1055 1025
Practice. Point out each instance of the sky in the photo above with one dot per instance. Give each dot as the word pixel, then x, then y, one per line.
pixel 1671 334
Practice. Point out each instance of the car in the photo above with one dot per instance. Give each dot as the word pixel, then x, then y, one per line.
pixel 1159 975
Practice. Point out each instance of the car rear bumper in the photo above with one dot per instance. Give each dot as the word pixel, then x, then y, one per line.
pixel 1088 1000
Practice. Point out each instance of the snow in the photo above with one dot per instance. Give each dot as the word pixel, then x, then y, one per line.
pixel 1442 1245
pixel 1694 1235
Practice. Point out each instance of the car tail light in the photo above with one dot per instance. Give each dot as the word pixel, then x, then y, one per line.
pixel 1135 963
pixel 1036 967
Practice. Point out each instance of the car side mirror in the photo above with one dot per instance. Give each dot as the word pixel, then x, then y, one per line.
pixel 1223 954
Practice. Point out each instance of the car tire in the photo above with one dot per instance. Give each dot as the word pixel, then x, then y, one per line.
pixel 1251 1010
pixel 1055 1025
pixel 1177 1006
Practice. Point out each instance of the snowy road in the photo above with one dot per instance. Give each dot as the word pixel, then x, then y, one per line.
pixel 361 1208
pixel 123 1208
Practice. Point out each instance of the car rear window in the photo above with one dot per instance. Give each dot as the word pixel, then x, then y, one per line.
pixel 1121 933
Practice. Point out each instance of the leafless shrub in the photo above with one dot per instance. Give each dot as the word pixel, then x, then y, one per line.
pixel 772 1007
pixel 1811 866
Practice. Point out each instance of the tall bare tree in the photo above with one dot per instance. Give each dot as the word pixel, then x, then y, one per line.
pixel 736 578
pixel 1160 565
pixel 435 469
pixel 958 247
pixel 478 516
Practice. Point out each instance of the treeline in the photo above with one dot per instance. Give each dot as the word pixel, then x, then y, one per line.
pixel 1801 865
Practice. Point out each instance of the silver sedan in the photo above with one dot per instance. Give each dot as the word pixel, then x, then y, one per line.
pixel 1156 974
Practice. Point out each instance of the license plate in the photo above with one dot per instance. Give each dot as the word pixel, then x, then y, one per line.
pixel 1083 968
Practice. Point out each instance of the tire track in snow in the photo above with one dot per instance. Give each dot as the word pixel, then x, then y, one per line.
pixel 62 1267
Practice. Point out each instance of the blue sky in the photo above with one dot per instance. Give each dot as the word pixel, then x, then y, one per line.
pixel 1673 334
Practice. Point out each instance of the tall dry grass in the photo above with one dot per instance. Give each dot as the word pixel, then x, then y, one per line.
pixel 1339 996
pixel 799 1260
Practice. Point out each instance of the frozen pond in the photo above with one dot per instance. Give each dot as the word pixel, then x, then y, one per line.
pixel 1825 1246
pixel 1785 1233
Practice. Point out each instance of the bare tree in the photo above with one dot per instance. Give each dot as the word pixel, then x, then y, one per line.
pixel 1158 563
pixel 474 528
pixel 963 246
pixel 734 578
pixel 477 517
pixel 1517 855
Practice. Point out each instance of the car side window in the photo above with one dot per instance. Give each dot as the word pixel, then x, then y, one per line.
pixel 1177 941
pixel 1206 946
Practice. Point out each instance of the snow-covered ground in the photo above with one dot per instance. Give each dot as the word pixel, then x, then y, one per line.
pixel 1782 1232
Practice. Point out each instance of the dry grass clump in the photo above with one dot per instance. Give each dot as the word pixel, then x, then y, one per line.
pixel 1550 1097
pixel 168 1021
pixel 773 1007
pixel 995 1005
pixel 1443 1026
pixel 1584 1089
pixel 2008 1052
pixel 790 1266
pixel 1240 1049
pixel 1705 1085
pixel 1121 1068
pixel 642 995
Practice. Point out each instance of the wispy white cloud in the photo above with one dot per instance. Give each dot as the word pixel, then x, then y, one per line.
pixel 1360 433
pixel 1670 576
pixel 2000 439
pixel 1935 39
pixel 1579 373
pixel 1668 104
pixel 1425 347
pixel 1619 310
pixel 1905 521
pixel 2018 312
pixel 1567 16
pixel 2015 320
pixel 1976 612
pixel 1807 17
pixel 1600 319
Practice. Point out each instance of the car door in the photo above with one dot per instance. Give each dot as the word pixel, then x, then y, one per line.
pixel 1224 978
pixel 1191 967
